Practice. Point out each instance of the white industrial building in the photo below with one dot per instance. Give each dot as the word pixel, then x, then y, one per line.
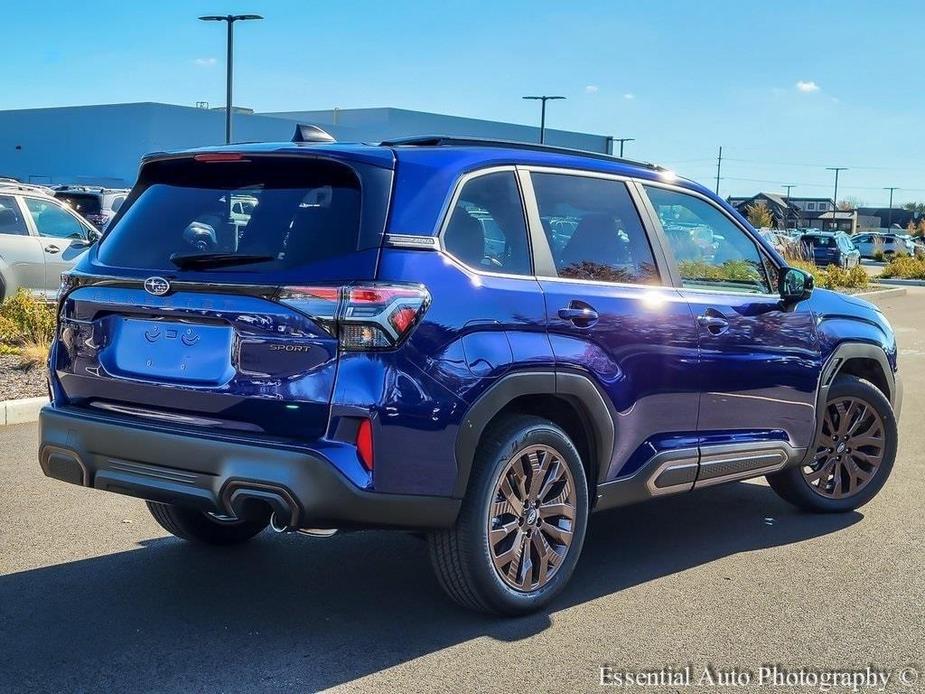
pixel 102 145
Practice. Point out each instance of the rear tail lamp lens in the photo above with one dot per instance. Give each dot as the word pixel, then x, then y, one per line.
pixel 365 444
pixel 363 317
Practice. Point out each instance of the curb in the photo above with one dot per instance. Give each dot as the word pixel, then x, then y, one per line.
pixel 901 282
pixel 21 411
pixel 882 293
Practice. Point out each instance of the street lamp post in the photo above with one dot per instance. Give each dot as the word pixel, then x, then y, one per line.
pixel 543 100
pixel 836 169
pixel 230 19
pixel 889 213
pixel 621 140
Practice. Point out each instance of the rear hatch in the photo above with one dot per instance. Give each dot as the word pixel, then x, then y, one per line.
pixel 824 249
pixel 209 302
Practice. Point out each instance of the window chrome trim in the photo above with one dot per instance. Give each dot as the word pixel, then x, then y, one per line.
pixel 450 206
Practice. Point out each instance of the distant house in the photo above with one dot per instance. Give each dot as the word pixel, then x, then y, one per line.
pixel 785 214
pixel 843 220
pixel 792 212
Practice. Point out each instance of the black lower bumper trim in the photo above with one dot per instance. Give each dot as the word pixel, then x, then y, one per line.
pixel 221 476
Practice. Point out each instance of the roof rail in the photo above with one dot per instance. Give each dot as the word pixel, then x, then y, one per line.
pixel 449 141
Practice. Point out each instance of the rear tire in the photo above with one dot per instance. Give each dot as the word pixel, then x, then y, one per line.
pixel 198 526
pixel 849 467
pixel 522 523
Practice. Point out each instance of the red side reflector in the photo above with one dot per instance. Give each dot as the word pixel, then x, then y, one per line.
pixel 365 444
pixel 219 156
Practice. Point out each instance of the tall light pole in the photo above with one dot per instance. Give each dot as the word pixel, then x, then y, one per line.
pixel 543 100
pixel 230 19
pixel 836 169
pixel 621 140
pixel 889 222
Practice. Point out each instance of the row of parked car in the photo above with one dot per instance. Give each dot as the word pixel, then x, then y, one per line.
pixel 44 229
pixel 839 248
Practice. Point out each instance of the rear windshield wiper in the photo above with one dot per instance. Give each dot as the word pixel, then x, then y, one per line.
pixel 207 260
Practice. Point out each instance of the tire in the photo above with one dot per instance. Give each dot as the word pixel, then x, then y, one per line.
pixel 464 558
pixel 198 526
pixel 797 486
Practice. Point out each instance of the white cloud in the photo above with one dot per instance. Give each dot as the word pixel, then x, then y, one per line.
pixel 205 62
pixel 592 89
pixel 629 96
pixel 807 87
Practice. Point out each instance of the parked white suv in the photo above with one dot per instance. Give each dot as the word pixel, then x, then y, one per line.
pixel 40 237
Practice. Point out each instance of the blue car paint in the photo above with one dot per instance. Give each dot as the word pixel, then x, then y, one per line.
pixel 667 386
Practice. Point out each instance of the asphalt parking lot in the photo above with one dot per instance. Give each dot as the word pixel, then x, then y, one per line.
pixel 95 597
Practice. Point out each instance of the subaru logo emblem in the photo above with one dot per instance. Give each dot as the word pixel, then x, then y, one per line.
pixel 157 286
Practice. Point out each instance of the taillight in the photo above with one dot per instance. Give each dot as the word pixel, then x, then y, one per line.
pixel 362 316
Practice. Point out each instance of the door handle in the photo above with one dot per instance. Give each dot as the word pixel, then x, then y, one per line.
pixel 582 316
pixel 52 249
pixel 715 324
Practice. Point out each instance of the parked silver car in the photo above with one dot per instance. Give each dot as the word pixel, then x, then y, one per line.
pixel 40 237
pixel 888 244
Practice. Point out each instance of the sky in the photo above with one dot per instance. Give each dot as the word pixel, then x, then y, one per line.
pixel 786 88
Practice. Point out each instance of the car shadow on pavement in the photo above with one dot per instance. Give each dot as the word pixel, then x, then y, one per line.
pixel 297 612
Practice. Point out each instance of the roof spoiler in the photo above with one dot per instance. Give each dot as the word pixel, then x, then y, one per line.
pixel 311 133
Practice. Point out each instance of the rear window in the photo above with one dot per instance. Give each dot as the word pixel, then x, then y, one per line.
pixel 820 241
pixel 81 203
pixel 270 215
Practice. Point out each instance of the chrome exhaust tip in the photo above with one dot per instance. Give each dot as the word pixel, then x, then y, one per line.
pixel 277 526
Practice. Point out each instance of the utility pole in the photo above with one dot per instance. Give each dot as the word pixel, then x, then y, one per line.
pixel 719 167
pixel 229 72
pixel 621 140
pixel 543 100
pixel 788 187
pixel 836 169
pixel 889 222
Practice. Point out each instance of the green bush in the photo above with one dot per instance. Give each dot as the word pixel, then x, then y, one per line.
pixel 25 320
pixel 905 267
pixel 834 276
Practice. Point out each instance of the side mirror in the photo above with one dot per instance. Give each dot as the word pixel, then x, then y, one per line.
pixel 795 285
pixel 94 235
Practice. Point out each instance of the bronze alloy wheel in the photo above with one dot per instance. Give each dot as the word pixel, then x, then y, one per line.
pixel 849 451
pixel 531 518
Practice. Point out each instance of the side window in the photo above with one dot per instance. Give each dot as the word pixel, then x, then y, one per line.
pixel 487 230
pixel 52 221
pixel 711 251
pixel 594 230
pixel 11 221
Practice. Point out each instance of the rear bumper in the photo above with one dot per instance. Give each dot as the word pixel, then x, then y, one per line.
pixel 221 476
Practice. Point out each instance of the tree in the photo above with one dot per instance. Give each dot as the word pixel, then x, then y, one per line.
pixel 920 229
pixel 911 228
pixel 759 215
pixel 849 204
pixel 915 207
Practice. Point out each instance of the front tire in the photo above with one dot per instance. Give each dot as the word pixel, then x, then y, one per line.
pixel 853 456
pixel 522 523
pixel 198 526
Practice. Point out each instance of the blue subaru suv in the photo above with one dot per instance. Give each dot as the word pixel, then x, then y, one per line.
pixel 479 341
